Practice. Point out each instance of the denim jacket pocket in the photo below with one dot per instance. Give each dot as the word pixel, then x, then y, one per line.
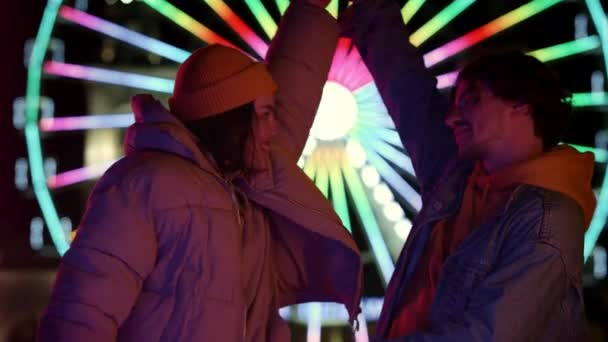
pixel 458 281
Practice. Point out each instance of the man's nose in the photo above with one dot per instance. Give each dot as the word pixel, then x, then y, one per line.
pixel 453 118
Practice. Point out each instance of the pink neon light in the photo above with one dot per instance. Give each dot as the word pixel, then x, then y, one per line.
pixel 339 57
pixel 459 44
pixel 86 122
pixel 78 175
pixel 81 18
pixel 57 68
pixel 348 68
pixel 446 80
pixel 357 75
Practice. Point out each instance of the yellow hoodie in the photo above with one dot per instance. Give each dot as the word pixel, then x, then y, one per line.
pixel 563 169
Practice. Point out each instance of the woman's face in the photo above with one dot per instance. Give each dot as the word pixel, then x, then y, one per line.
pixel 264 122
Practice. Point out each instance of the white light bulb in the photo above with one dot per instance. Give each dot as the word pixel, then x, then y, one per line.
pixel 337 113
pixel 370 176
pixel 402 228
pixel 382 194
pixel 393 211
pixel 356 154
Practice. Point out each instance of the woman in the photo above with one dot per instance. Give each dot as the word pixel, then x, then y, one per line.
pixel 203 231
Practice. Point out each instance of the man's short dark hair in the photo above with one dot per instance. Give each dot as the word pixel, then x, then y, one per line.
pixel 515 76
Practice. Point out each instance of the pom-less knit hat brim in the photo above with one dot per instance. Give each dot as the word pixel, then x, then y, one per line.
pixel 240 87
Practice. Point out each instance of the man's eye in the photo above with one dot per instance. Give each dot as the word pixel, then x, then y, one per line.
pixel 469 100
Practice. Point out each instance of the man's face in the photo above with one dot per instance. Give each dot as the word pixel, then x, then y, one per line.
pixel 480 121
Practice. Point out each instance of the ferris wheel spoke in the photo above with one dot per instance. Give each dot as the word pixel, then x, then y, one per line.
pixel 78 175
pixel 239 26
pixel 486 31
pixel 410 8
pixel 118 32
pixel 439 21
pixel 548 54
pixel 86 122
pixel 187 22
pixel 103 75
pixel 263 17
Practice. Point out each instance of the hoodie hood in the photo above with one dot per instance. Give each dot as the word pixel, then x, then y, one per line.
pixel 563 169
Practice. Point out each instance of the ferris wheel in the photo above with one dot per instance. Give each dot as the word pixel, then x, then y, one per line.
pixel 353 154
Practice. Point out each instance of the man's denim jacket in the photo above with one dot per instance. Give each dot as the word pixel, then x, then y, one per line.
pixel 515 278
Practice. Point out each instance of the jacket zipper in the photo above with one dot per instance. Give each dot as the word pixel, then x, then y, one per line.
pixel 245 324
pixel 240 223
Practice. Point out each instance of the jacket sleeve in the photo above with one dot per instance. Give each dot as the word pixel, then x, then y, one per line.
pixel 101 275
pixel 299 60
pixel 407 88
pixel 517 300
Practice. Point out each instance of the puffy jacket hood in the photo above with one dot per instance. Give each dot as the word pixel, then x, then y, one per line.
pixel 155 128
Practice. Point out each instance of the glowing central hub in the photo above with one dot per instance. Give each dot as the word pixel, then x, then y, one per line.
pixel 337 113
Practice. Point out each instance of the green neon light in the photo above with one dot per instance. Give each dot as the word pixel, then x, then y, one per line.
pixel 599 220
pixel 310 168
pixel 263 17
pixel 366 215
pixel 338 194
pixel 439 21
pixel 410 8
pixel 589 99
pixel 601 155
pixel 322 180
pixel 598 15
pixel 574 47
pixel 332 8
pixel 32 135
pixel 282 5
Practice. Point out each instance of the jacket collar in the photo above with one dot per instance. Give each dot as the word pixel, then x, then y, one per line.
pixel 447 195
pixel 156 129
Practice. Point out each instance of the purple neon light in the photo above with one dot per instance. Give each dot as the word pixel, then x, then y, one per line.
pixel 85 122
pixel 78 175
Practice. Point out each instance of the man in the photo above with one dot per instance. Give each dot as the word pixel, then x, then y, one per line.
pixel 203 231
pixel 496 252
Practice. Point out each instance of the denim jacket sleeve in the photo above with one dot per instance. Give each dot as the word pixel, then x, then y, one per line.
pixel 407 88
pixel 529 285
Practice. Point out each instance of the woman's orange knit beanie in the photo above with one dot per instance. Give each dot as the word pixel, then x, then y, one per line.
pixel 215 79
